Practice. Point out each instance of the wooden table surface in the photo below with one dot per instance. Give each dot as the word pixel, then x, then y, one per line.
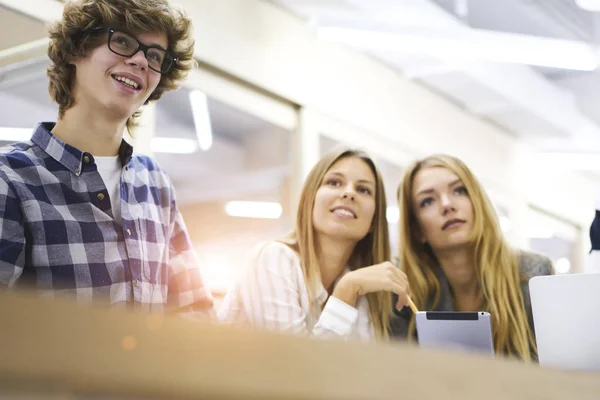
pixel 55 348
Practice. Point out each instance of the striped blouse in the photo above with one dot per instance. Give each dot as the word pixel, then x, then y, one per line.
pixel 271 294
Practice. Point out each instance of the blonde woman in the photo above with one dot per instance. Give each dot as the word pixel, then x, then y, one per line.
pixel 331 277
pixel 456 257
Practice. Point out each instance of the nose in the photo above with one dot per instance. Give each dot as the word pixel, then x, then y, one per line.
pixel 447 204
pixel 348 193
pixel 138 60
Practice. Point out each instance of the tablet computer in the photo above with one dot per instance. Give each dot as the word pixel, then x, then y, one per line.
pixel 470 331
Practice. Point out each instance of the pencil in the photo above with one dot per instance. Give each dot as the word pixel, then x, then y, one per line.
pixel 412 306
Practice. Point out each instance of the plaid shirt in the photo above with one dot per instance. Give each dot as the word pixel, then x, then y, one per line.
pixel 58 234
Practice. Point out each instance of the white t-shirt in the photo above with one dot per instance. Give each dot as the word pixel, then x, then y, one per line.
pixel 110 171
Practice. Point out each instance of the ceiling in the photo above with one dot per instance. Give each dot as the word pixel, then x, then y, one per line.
pixel 553 109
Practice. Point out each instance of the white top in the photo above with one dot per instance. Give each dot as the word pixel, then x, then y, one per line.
pixel 272 294
pixel 109 169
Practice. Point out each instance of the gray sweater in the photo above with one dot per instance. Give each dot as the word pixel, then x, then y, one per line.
pixel 532 264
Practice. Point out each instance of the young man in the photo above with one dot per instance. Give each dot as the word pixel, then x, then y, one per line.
pixel 80 213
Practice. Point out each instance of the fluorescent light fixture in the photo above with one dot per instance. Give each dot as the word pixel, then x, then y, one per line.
pixel 173 145
pixel 393 215
pixel 470 45
pixel 15 134
pixel 253 209
pixel 201 116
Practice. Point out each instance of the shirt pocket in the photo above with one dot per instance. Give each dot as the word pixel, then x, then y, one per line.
pixel 155 251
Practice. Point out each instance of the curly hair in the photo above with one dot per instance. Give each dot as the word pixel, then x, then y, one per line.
pixel 68 39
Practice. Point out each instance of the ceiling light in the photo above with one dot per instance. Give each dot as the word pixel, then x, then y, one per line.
pixel 201 116
pixel 253 209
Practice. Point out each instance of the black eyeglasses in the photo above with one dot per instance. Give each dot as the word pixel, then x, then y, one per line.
pixel 125 45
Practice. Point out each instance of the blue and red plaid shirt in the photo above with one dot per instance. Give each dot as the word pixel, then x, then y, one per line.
pixel 59 237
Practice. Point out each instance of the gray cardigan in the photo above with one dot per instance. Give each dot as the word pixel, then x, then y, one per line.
pixel 532 264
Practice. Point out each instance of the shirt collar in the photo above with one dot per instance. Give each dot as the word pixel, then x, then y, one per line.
pixel 69 156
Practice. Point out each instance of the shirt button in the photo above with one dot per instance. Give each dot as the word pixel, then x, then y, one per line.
pixel 128 232
pixel 86 159
pixel 100 196
pixel 77 170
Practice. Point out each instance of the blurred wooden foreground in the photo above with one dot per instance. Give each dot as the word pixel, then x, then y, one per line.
pixel 52 349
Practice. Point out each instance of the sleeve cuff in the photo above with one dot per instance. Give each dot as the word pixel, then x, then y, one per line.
pixel 338 317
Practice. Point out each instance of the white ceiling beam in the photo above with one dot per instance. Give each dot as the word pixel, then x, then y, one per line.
pixel 463 44
pixel 35 46
pixel 24 52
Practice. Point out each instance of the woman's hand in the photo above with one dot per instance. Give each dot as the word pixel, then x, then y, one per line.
pixel 376 278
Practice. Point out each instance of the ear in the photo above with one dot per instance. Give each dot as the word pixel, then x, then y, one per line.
pixel 71 59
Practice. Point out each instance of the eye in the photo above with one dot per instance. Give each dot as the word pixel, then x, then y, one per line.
pixel 333 182
pixel 426 202
pixel 364 190
pixel 461 190
pixel 155 56
pixel 121 40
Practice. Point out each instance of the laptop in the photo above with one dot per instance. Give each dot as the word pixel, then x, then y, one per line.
pixel 566 316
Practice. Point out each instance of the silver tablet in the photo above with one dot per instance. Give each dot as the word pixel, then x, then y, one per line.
pixel 470 331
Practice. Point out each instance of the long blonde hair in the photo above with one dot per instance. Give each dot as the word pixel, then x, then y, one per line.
pixel 496 263
pixel 374 248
